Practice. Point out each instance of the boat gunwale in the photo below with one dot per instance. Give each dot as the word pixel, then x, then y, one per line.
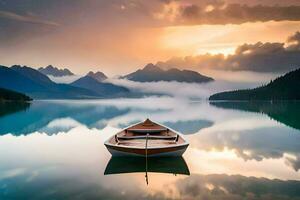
pixel 139 147
pixel 185 143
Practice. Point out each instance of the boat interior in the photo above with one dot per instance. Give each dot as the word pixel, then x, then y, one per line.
pixel 155 134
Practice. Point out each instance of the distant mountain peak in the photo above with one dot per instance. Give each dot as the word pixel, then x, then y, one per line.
pixel 31 82
pixel 152 67
pixel 20 67
pixel 99 76
pixel 153 73
pixel 50 67
pixel 101 88
pixel 31 73
pixel 54 71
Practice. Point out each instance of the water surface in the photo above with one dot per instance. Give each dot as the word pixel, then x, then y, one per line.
pixel 54 150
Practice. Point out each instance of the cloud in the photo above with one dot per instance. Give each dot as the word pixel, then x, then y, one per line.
pixel 64 79
pixel 77 33
pixel 258 57
pixel 244 141
pixel 166 12
pixel 293 161
pixel 183 90
pixel 294 42
pixel 60 125
pixel 29 18
pixel 220 12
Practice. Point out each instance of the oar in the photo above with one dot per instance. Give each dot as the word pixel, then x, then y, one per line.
pixel 146 154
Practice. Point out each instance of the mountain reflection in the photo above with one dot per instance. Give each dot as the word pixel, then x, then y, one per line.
pixel 40 114
pixel 232 154
pixel 52 117
pixel 286 112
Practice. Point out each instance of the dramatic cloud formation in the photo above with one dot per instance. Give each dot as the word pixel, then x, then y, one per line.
pixel 259 57
pixel 117 36
pixel 219 12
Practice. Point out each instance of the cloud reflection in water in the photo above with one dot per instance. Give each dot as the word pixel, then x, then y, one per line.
pixel 59 145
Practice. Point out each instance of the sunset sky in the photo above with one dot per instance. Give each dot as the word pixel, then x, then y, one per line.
pixel 118 36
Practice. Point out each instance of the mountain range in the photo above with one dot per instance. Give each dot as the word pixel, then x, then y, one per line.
pixel 37 85
pixel 286 87
pixel 103 89
pixel 32 82
pixel 54 71
pixel 153 73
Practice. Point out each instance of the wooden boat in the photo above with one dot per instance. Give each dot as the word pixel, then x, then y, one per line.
pixel 148 139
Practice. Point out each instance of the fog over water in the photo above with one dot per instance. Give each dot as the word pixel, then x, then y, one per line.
pixel 184 90
pixel 224 80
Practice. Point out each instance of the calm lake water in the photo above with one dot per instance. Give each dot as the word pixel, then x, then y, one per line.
pixel 238 150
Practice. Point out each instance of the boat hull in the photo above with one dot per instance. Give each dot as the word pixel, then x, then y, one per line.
pixel 153 152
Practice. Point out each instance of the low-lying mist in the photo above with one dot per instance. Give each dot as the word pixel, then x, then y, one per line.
pixel 224 81
pixel 184 90
pixel 64 79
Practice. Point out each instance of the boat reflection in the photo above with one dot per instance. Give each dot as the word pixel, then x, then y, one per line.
pixel 170 165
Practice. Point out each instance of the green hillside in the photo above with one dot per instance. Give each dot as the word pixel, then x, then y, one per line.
pixel 285 87
pixel 9 95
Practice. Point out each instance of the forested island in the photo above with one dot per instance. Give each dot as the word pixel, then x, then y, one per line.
pixel 9 95
pixel 286 87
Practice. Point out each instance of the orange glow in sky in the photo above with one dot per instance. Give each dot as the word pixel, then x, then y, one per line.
pixel 118 37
